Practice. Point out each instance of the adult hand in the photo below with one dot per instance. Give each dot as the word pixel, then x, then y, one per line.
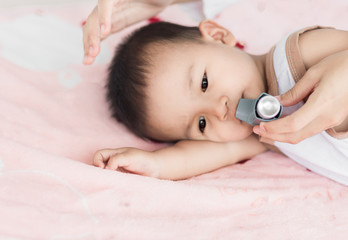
pixel 326 86
pixel 110 16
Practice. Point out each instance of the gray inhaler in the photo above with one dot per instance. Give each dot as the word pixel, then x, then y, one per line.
pixel 262 109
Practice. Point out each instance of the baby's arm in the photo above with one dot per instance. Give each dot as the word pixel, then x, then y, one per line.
pixel 183 160
pixel 191 158
pixel 318 44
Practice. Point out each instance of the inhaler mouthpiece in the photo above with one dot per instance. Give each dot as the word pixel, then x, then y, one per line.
pixel 262 109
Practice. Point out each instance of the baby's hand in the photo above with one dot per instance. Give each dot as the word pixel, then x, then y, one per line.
pixel 130 160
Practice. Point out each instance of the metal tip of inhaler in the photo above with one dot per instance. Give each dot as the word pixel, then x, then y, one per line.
pixel 262 109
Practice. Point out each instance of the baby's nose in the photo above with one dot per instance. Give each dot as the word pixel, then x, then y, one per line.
pixel 221 109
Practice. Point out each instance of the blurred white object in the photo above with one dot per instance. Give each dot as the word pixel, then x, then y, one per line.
pixel 19 3
pixel 206 9
pixel 44 43
pixel 213 7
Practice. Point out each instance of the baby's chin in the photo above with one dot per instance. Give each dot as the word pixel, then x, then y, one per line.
pixel 232 136
pixel 248 129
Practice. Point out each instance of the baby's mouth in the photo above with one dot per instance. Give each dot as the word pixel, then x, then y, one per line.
pixel 231 111
pixel 234 109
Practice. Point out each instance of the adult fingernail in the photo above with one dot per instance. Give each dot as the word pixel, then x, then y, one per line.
pixel 262 128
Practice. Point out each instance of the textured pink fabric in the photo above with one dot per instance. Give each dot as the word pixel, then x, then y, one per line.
pixel 53 117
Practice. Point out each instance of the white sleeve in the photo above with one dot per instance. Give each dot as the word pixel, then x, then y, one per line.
pixel 213 7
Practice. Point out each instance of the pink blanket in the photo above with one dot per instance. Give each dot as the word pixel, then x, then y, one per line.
pixel 53 117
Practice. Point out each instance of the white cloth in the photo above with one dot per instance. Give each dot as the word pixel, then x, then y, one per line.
pixel 213 7
pixel 206 9
pixel 321 153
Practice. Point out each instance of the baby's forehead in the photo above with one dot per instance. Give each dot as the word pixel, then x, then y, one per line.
pixel 160 48
pixel 170 57
pixel 166 96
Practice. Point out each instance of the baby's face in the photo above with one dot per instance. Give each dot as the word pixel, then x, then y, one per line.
pixel 194 90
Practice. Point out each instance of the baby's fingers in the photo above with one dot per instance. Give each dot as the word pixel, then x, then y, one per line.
pixel 101 157
pixel 295 137
pixel 116 162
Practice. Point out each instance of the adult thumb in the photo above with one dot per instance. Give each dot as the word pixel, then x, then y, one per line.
pixel 301 90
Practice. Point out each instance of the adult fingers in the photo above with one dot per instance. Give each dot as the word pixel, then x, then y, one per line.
pixel 296 121
pixel 104 16
pixel 309 130
pixel 302 89
pixel 91 38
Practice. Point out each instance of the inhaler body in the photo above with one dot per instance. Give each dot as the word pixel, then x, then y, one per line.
pixel 262 109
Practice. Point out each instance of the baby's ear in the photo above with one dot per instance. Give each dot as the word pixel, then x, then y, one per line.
pixel 212 31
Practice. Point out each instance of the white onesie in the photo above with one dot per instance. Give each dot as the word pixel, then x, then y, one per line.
pixel 322 153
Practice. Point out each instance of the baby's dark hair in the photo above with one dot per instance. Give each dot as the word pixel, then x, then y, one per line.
pixel 129 71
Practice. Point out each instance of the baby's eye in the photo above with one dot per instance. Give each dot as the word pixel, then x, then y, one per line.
pixel 202 124
pixel 204 84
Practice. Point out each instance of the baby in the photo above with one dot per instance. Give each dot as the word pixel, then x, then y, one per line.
pixel 182 84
